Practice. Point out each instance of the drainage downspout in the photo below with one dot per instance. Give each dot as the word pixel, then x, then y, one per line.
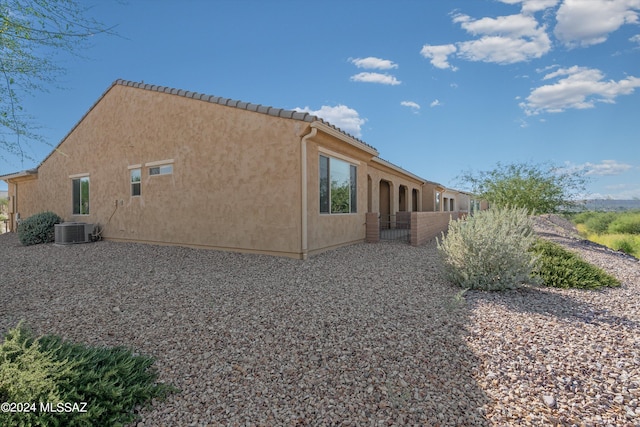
pixel 304 245
pixel 15 217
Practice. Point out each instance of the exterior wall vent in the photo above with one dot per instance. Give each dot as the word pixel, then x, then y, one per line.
pixel 73 232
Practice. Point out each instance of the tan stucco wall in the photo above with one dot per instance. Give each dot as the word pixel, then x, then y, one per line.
pixel 24 200
pixel 429 196
pixel 463 202
pixel 326 231
pixel 379 172
pixel 235 182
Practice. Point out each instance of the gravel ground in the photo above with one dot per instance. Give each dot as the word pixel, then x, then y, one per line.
pixel 364 335
pixel 561 357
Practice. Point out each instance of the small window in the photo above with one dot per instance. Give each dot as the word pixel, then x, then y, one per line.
pixel 161 170
pixel 136 178
pixel 437 201
pixel 338 186
pixel 80 196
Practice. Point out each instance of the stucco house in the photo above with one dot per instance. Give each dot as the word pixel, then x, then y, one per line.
pixel 160 165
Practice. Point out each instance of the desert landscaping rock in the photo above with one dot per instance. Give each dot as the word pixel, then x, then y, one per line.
pixel 368 334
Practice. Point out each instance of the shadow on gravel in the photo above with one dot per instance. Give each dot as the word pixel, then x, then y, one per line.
pixel 587 245
pixel 362 335
pixel 539 300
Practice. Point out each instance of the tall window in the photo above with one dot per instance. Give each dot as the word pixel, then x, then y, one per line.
pixel 437 201
pixel 338 186
pixel 136 178
pixel 81 196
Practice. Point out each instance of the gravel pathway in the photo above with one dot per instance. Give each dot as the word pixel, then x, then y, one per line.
pixel 364 335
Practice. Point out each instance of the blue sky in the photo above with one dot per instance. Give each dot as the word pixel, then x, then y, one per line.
pixel 438 87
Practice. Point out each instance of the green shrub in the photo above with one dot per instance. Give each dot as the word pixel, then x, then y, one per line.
pixel 628 223
pixel 38 228
pixel 599 222
pixel 27 373
pixel 625 245
pixel 582 217
pixel 560 268
pixel 489 250
pixel 112 381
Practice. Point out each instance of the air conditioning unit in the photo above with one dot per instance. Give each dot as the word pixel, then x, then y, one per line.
pixel 73 232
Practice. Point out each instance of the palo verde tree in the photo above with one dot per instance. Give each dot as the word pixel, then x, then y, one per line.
pixel 540 188
pixel 32 33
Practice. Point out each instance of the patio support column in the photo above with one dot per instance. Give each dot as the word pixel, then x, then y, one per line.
pixel 372 227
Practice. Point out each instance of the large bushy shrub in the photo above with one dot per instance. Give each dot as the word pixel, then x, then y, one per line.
pixel 561 268
pixel 38 228
pixel 489 250
pixel 599 222
pixel 112 381
pixel 627 223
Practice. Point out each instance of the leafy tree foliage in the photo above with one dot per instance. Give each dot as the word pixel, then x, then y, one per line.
pixel 540 188
pixel 32 32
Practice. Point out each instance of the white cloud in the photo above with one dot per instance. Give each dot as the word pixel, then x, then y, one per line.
pixel 439 55
pixel 503 40
pixel 385 79
pixel 530 6
pixel 576 88
pixel 435 103
pixel 585 23
pixel 635 39
pixel 410 104
pixel 341 116
pixel 605 167
pixel 512 26
pixel 622 192
pixel 372 62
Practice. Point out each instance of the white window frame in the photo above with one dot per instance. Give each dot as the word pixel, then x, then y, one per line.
pixel 135 183
pixel 80 177
pixel 160 167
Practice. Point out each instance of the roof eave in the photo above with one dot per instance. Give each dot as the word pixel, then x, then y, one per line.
pixel 337 133
pixel 398 169
pixel 17 175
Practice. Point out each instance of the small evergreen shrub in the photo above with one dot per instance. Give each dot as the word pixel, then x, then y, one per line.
pixel 38 228
pixel 489 250
pixel 27 373
pixel 628 223
pixel 625 245
pixel 599 222
pixel 560 268
pixel 112 381
pixel 582 217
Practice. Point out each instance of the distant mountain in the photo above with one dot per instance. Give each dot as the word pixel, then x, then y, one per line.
pixel 611 205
